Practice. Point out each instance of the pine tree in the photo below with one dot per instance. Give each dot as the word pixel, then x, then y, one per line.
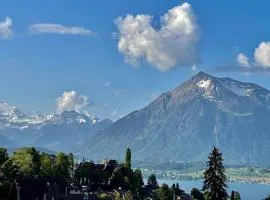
pixel 214 177
pixel 128 158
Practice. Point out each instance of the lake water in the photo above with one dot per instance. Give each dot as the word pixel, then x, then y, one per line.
pixel 247 191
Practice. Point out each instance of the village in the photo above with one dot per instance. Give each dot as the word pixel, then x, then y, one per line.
pixel 59 178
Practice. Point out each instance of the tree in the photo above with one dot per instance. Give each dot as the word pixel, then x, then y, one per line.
pixel 3 155
pixel 128 158
pixel 62 165
pixel 164 193
pixel 215 180
pixel 235 196
pixel 46 165
pixel 9 169
pixel 4 189
pixel 196 194
pixel 152 180
pixel 138 183
pixel 128 196
pixel 23 159
pixel 35 159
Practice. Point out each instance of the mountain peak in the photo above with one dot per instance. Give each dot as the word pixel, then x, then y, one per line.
pixel 202 76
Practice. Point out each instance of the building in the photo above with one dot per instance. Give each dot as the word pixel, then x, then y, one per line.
pixel 38 188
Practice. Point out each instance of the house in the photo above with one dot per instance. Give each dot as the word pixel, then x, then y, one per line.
pixel 95 175
pixel 184 197
pixel 38 188
pixel 148 190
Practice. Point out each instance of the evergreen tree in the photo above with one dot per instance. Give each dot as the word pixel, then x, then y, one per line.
pixel 128 158
pixel 215 180
pixel 232 196
pixel 152 180
pixel 138 183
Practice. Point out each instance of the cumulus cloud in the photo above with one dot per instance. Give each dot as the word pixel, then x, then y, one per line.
pixel 71 101
pixel 175 43
pixel 242 60
pixel 6 31
pixel 261 57
pixel 51 28
pixel 262 54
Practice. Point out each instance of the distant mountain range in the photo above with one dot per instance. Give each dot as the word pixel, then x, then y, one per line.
pixel 181 125
pixel 57 132
pixel 185 123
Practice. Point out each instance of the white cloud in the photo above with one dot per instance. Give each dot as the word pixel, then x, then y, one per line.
pixel 106 104
pixel 242 60
pixel 6 31
pixel 262 54
pixel 261 57
pixel 71 101
pixel 174 44
pixel 59 29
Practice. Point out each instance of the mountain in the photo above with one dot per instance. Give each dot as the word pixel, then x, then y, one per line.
pixel 184 124
pixel 57 132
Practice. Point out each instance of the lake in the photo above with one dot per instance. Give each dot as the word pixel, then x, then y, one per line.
pixel 247 191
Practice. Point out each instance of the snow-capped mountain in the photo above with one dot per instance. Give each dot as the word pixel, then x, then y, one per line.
pixel 185 123
pixel 59 132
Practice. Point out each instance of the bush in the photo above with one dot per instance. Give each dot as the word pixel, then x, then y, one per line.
pixel 104 196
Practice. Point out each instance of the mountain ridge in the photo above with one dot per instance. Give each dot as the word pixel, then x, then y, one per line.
pixel 58 132
pixel 193 117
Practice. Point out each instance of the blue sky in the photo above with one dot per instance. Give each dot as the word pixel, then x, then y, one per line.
pixel 44 53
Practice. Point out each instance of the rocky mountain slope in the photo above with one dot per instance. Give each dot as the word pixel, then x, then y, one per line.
pixel 185 123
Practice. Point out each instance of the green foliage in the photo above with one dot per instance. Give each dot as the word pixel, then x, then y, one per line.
pixel 128 158
pixel 24 160
pixel 9 169
pixel 46 165
pixel 214 177
pixel 152 180
pixel 128 196
pixel 86 170
pixel 122 177
pixel 235 196
pixel 3 155
pixel 4 189
pixel 62 165
pixel 164 193
pixel 196 194
pixel 104 196
pixel 117 197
